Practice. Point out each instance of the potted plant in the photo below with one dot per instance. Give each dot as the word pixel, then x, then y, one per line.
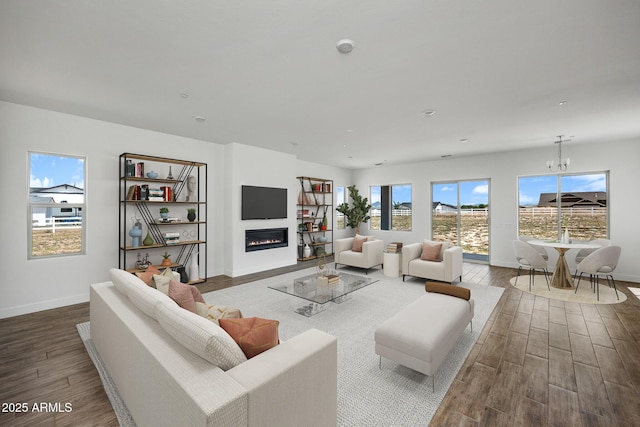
pixel 358 213
pixel 166 259
pixel 191 214
pixel 164 212
pixel 325 223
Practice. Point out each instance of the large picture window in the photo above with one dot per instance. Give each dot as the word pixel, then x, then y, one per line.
pixel 56 205
pixel 391 207
pixel 550 204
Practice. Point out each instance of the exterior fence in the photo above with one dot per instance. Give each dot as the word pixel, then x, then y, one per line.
pixel 53 224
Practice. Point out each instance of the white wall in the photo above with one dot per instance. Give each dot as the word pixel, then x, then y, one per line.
pixel 265 168
pixel 34 285
pixel 503 169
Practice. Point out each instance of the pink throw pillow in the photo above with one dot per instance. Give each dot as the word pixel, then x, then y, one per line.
pixel 431 252
pixel 183 295
pixel 147 275
pixel 358 242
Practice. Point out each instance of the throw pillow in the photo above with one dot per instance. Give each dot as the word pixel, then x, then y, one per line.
pixel 431 252
pixel 454 291
pixel 358 241
pixel 162 283
pixel 183 295
pixel 216 312
pixel 253 335
pixel 147 275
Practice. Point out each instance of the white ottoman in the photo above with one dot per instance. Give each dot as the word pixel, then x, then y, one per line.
pixel 421 335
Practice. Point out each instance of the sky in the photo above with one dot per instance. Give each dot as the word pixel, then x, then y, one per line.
pixel 48 170
pixel 531 187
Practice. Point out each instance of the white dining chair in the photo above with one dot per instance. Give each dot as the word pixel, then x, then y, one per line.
pixel 602 262
pixel 542 251
pixel 528 257
pixel 583 253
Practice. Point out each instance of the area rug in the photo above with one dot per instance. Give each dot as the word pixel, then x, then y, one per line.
pixel 585 294
pixel 367 394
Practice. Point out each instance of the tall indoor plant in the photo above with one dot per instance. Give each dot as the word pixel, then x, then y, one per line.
pixel 358 212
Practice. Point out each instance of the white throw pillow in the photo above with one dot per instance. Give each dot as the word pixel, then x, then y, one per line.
pixel 201 336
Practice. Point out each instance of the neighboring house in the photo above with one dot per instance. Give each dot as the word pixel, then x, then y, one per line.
pixel 444 208
pixel 64 193
pixel 574 200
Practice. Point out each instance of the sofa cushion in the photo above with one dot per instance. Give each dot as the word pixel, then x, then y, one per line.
pixel 454 291
pixel 253 334
pixel 141 295
pixel 358 241
pixel 431 251
pixel 216 312
pixel 199 335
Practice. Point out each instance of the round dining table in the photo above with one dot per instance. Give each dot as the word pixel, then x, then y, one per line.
pixel 561 275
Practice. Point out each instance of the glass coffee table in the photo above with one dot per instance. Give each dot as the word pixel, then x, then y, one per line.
pixel 319 290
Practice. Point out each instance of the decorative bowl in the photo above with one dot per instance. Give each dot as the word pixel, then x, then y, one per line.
pixel 152 175
pixel 322 239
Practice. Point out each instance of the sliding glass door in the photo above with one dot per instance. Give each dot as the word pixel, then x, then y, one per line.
pixel 460 214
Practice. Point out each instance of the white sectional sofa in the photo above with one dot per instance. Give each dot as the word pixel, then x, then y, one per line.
pixel 142 337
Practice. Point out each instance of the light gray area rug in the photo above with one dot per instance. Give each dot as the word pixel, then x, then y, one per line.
pixel 367 395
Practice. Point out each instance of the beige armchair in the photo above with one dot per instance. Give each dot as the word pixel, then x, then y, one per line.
pixel 446 270
pixel 370 256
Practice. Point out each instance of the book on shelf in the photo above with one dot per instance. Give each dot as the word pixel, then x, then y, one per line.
pixel 155 199
pixel 169 219
pixel 139 171
pixel 394 247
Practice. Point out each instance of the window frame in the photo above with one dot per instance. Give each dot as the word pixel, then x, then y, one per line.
pixel 387 211
pixel 78 207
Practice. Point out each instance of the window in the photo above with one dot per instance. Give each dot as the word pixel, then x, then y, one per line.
pixel 56 205
pixel 391 207
pixel 548 204
pixel 340 199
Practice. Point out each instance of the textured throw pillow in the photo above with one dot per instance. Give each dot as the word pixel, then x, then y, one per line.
pixel 431 252
pixel 216 312
pixel 253 335
pixel 454 291
pixel 183 295
pixel 162 283
pixel 147 275
pixel 358 241
pixel 204 338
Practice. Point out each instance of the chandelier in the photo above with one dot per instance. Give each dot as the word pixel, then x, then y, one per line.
pixel 563 164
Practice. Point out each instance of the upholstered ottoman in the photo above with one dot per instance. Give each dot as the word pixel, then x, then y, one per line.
pixel 421 335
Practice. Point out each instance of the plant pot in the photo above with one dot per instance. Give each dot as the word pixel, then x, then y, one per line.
pixel 166 261
pixel 191 216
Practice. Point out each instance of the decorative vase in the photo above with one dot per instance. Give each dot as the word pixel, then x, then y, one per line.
pixel 164 215
pixel 191 216
pixel 135 233
pixel 193 271
pixel 565 239
pixel 148 240
pixel 166 261
pixel 307 251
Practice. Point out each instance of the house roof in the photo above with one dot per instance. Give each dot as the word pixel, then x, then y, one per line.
pixel 268 74
pixel 574 199
pixel 57 189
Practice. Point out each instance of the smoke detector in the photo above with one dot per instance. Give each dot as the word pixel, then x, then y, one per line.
pixel 344 46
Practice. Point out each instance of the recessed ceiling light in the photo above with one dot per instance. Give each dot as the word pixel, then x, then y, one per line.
pixel 429 113
pixel 345 45
pixel 445 156
pixel 184 95
pixel 378 164
pixel 561 103
pixel 199 119
pixel 464 140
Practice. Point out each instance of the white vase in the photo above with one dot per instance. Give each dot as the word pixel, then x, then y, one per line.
pixel 565 239
pixel 193 271
pixel 307 251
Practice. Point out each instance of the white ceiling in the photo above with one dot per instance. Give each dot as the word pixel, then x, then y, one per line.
pixel 267 73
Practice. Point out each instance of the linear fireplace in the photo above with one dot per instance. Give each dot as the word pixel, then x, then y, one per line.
pixel 266 238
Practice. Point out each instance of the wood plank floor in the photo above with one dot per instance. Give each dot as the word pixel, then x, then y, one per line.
pixel 537 362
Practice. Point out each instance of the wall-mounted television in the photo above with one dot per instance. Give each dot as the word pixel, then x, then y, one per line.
pixel 263 202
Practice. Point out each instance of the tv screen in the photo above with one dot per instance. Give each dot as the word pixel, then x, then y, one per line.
pixel 263 202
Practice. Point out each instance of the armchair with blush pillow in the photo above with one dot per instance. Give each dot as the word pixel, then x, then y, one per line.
pixel 359 251
pixel 440 261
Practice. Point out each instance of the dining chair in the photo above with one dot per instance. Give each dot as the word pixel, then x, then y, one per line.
pixel 602 261
pixel 542 251
pixel 528 257
pixel 583 253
